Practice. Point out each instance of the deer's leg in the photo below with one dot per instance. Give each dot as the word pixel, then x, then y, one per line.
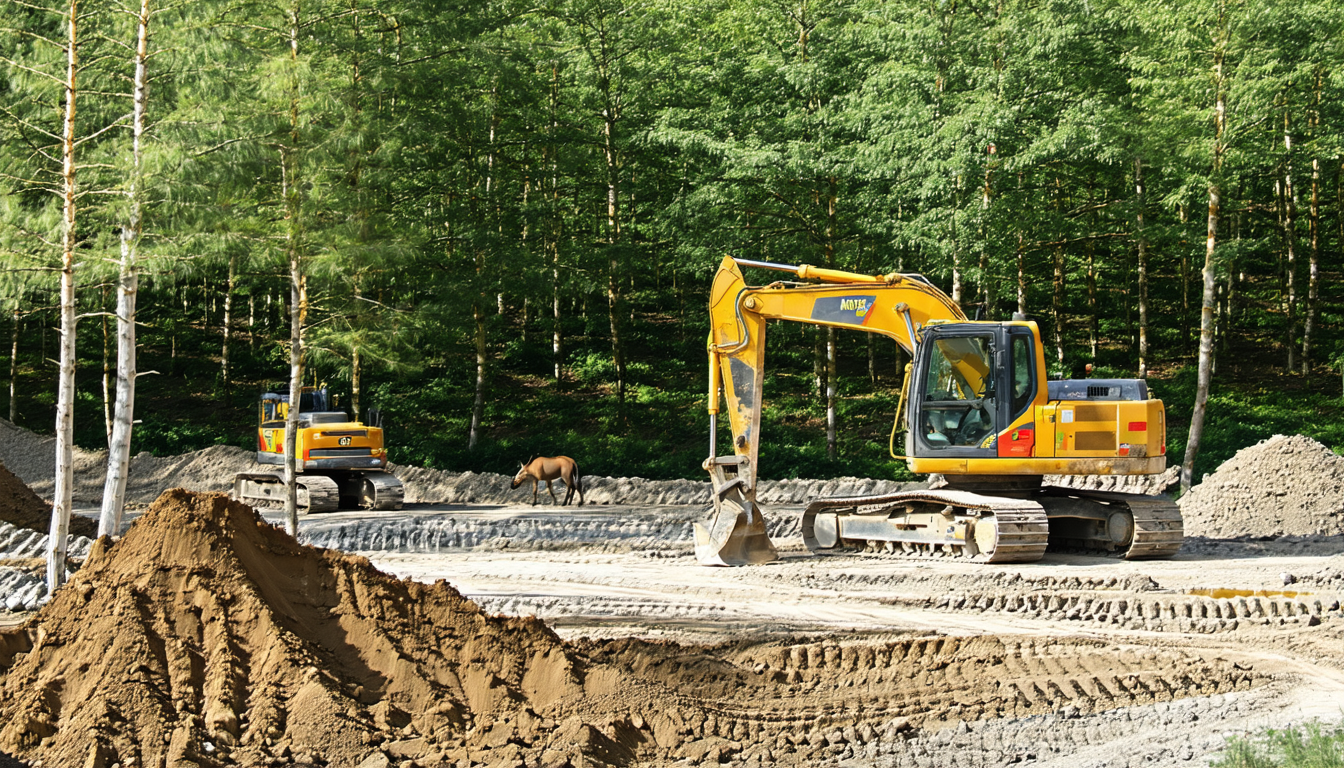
pixel 534 491
pixel 551 488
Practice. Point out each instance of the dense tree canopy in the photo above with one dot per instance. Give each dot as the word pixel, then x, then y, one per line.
pixel 505 215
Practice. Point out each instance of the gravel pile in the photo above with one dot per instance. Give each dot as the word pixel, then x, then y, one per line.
pixel 1282 486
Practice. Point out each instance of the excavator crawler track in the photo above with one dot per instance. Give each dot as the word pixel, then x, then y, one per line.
pixel 986 529
pixel 382 492
pixel 1159 528
pixel 267 490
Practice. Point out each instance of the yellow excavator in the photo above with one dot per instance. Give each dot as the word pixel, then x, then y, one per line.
pixel 341 463
pixel 978 411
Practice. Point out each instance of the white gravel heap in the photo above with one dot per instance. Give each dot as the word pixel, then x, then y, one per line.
pixel 1283 486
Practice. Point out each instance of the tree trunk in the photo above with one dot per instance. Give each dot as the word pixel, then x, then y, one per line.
pixel 128 278
pixel 1057 305
pixel 872 359
pixel 615 301
pixel 1143 269
pixel 356 368
pixel 65 391
pixel 355 376
pixel 228 316
pixel 1021 278
pixel 478 404
pixel 1206 313
pixel 298 283
pixel 1092 325
pixel 107 372
pixel 1289 243
pixel 14 370
pixel 1314 232
pixel 831 381
pixel 818 362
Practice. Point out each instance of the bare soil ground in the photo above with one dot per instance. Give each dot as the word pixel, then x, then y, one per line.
pixel 204 637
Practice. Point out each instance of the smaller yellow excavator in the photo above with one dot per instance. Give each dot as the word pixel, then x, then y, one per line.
pixel 341 463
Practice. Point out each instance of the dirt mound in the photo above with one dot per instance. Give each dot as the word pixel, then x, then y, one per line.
pixel 22 508
pixel 32 458
pixel 1282 486
pixel 207 636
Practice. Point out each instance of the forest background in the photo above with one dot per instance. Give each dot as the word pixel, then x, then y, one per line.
pixel 500 219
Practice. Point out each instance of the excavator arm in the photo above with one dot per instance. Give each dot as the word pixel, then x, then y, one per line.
pixel 894 305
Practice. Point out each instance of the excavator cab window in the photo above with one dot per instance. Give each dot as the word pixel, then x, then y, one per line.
pixel 958 408
pixel 1024 374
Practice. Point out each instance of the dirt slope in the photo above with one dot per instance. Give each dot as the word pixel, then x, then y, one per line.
pixel 209 637
pixel 22 508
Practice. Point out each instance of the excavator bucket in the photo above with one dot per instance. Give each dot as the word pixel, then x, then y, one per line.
pixel 733 534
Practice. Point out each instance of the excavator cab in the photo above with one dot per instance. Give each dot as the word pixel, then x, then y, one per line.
pixel 975 383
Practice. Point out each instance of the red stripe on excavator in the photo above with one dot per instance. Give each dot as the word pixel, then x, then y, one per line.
pixel 1138 426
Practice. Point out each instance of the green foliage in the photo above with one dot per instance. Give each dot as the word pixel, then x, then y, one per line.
pixel 461 174
pixel 1313 745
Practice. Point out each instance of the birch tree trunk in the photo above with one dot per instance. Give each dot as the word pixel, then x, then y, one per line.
pixel 1314 232
pixel 1143 269
pixel 14 370
pixel 1021 278
pixel 298 284
pixel 555 228
pixel 65 390
pixel 228 317
pixel 107 373
pixel 1290 242
pixel 128 278
pixel 831 379
pixel 1092 323
pixel 1057 304
pixel 478 404
pixel 614 296
pixel 356 367
pixel 1206 312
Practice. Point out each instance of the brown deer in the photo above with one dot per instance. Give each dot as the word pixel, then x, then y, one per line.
pixel 545 469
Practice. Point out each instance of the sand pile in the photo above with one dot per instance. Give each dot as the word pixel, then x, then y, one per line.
pixel 1283 486
pixel 207 636
pixel 22 508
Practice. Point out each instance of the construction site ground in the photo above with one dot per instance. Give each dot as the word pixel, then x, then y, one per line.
pixel 622 571
pixel 846 658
